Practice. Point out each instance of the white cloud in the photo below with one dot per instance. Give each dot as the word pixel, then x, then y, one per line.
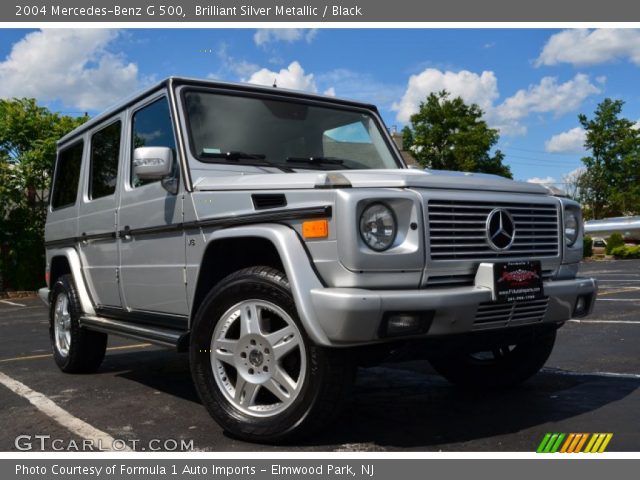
pixel 330 92
pixel 543 181
pixel 239 67
pixel 359 86
pixel 264 36
pixel 473 88
pixel 292 77
pixel 571 141
pixel 73 66
pixel 582 47
pixel 548 97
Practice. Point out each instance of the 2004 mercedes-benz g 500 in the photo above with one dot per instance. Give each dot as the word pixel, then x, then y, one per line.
pixel 279 238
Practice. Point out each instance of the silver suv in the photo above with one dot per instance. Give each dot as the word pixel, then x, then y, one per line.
pixel 279 238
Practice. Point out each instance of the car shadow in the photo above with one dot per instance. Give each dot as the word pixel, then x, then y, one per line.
pixel 407 406
pixel 396 408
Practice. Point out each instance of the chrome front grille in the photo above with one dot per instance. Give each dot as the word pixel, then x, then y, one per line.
pixel 491 314
pixel 457 230
pixel 466 280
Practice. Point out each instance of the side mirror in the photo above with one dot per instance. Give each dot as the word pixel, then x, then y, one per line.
pixel 152 163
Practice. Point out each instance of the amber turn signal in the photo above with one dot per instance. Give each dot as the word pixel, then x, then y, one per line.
pixel 315 229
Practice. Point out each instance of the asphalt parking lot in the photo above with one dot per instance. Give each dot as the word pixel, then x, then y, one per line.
pixel 143 395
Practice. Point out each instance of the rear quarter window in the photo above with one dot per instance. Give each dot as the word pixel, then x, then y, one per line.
pixel 65 184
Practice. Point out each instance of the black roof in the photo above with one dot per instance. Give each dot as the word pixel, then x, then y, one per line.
pixel 175 81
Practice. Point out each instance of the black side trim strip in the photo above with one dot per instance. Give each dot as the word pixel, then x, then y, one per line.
pixel 275 216
pixel 248 219
pixel 62 242
pixel 161 336
pixel 141 317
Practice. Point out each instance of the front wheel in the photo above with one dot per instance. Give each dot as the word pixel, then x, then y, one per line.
pixel 255 369
pixel 504 365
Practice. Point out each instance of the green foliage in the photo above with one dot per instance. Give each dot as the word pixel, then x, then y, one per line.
pixel 626 252
pixel 587 247
pixel 610 185
pixel 407 138
pixel 28 136
pixel 448 134
pixel 614 241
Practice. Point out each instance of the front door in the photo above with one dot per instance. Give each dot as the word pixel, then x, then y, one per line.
pixel 152 253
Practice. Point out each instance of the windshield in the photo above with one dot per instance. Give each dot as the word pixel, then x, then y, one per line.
pixel 283 134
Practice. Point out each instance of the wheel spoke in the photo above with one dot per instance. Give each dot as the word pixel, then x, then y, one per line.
pixel 250 320
pixel 274 387
pixel 224 349
pixel 283 379
pixel 283 341
pixel 246 392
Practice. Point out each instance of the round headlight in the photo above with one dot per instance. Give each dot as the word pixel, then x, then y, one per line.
pixel 571 226
pixel 378 226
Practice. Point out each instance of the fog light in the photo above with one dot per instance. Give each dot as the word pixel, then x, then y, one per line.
pixel 582 305
pixel 396 324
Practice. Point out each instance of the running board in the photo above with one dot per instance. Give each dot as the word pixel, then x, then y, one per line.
pixel 177 339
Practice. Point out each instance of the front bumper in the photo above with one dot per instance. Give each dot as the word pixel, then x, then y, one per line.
pixel 354 316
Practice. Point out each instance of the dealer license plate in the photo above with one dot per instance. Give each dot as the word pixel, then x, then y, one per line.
pixel 517 281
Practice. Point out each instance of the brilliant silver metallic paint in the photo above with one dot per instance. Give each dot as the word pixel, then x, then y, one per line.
pixel 161 272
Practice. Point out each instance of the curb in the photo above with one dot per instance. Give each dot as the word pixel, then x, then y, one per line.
pixel 18 294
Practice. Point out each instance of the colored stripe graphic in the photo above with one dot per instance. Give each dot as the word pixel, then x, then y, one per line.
pixel 581 443
pixel 543 443
pixel 607 439
pixel 574 443
pixel 567 443
pixel 599 443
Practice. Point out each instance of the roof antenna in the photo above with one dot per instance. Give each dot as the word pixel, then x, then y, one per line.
pixel 275 83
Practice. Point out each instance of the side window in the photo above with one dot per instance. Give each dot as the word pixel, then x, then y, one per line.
pixel 65 184
pixel 105 151
pixel 152 127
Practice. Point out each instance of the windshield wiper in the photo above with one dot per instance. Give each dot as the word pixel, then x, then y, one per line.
pixel 233 155
pixel 261 159
pixel 320 161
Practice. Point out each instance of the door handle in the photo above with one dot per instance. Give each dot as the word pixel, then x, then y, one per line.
pixel 85 241
pixel 127 232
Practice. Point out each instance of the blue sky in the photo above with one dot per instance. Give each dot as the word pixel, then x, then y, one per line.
pixel 532 83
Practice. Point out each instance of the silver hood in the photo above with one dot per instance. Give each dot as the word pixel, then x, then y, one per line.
pixel 400 178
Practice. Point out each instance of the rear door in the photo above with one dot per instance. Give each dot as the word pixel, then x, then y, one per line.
pixel 98 211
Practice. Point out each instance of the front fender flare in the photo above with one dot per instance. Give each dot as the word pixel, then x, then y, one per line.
pixel 297 266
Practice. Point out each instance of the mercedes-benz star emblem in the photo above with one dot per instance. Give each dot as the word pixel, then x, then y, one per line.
pixel 501 229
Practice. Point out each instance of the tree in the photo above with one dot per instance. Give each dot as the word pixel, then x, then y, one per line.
pixel 28 136
pixel 407 138
pixel 572 182
pixel 448 134
pixel 610 185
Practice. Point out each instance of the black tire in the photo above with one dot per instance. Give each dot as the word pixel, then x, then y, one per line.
pixel 501 367
pixel 86 348
pixel 326 383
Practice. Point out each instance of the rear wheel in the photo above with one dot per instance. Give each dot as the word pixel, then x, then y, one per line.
pixel 504 365
pixel 75 349
pixel 257 372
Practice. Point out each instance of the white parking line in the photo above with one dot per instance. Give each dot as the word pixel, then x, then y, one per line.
pixel 618 299
pixel 12 303
pixel 591 374
pixel 98 438
pixel 605 321
pixel 605 280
